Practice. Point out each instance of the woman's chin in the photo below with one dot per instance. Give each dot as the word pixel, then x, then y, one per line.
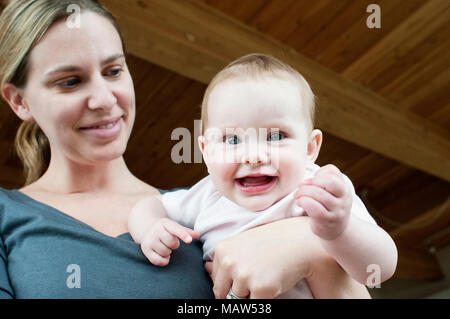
pixel 102 156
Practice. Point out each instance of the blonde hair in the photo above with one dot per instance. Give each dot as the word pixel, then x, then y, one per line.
pixel 257 66
pixel 22 24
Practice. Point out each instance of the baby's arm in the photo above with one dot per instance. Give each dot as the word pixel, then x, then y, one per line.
pixel 328 280
pixel 360 245
pixel 354 243
pixel 158 235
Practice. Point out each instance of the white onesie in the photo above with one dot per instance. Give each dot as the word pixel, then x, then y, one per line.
pixel 215 217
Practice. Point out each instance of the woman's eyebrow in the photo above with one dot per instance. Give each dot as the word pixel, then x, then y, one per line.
pixel 73 68
pixel 113 58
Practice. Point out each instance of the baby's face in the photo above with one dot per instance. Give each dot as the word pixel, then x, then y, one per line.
pixel 256 140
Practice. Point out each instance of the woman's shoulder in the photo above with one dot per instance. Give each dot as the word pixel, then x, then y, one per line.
pixel 142 188
pixel 7 195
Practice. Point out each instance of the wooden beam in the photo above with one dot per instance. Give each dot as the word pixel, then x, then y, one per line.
pixel 415 238
pixel 418 231
pixel 422 23
pixel 195 40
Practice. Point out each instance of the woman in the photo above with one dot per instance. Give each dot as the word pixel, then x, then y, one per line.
pixel 64 234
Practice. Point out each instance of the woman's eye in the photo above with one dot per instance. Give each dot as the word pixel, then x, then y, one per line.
pixel 69 83
pixel 115 72
pixel 232 139
pixel 275 136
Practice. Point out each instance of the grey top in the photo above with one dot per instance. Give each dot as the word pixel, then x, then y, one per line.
pixel 45 253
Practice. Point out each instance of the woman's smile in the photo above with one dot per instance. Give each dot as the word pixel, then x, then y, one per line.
pixel 105 129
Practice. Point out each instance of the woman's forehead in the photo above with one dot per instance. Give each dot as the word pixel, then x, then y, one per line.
pixel 95 40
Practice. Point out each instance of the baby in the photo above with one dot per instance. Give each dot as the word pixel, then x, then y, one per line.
pixel 260 146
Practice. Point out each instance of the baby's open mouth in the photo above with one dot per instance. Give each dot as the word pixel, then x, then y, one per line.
pixel 255 184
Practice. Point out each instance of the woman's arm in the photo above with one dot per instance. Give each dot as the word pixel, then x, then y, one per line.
pixel 268 260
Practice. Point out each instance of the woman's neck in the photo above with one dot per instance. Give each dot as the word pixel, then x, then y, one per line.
pixel 68 177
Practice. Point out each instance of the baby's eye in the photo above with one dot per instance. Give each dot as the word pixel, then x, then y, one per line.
pixel 232 139
pixel 275 136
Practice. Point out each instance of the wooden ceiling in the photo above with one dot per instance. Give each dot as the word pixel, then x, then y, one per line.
pixel 383 99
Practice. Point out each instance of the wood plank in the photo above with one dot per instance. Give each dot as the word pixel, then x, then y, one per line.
pixel 426 21
pixel 283 27
pixel 417 265
pixel 439 240
pixel 408 199
pixel 246 10
pixel 391 178
pixel 417 231
pixel 340 153
pixel 360 175
pixel 425 79
pixel 435 101
pixel 317 21
pixel 442 117
pixel 270 14
pixel 173 34
pixel 344 50
pixel 156 111
pixel 416 81
pixel 343 19
pixel 170 120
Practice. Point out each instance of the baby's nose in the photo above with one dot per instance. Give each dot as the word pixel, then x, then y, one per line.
pixel 255 157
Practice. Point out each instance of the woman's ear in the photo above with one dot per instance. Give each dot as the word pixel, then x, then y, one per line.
pixel 15 99
pixel 314 144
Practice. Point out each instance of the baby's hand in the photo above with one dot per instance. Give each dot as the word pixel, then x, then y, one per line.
pixel 327 200
pixel 162 237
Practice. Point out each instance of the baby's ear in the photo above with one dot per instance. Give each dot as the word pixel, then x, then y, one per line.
pixel 201 145
pixel 14 97
pixel 314 144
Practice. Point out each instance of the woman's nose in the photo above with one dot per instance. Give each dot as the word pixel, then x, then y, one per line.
pixel 101 95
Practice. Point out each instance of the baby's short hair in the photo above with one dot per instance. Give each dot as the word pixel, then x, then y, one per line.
pixel 256 66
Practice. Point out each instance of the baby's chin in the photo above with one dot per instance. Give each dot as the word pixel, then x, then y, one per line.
pixel 256 203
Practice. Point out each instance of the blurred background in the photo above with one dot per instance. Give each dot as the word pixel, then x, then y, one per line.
pixel 381 75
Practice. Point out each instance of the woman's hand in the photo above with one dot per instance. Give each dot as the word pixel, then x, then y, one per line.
pixel 268 260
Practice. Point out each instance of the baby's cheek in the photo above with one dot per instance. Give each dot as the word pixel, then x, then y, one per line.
pixel 222 173
pixel 292 169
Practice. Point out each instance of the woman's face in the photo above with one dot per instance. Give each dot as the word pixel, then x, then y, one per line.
pixel 80 92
